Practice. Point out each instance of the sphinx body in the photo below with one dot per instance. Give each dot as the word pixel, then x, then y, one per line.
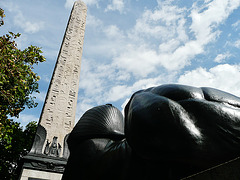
pixel 170 132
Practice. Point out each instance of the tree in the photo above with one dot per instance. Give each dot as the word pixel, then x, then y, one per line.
pixel 14 146
pixel 17 79
pixel 17 83
pixel 2 15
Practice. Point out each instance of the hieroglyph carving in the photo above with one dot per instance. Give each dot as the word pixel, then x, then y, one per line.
pixel 59 110
pixel 53 148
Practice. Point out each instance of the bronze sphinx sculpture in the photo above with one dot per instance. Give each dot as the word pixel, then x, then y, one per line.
pixel 168 132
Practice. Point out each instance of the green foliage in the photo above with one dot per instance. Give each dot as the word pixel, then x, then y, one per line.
pixel 17 80
pixel 15 143
pixel 17 83
pixel 2 15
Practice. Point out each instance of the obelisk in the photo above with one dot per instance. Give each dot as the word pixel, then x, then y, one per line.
pixel 49 152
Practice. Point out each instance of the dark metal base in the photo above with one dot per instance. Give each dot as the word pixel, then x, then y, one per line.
pixel 44 163
pixel 228 170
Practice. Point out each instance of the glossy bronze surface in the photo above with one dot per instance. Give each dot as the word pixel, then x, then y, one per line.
pixel 170 132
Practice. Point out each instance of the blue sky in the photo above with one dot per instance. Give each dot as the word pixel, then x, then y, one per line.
pixel 133 44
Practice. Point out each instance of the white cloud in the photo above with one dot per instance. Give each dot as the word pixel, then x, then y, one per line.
pixel 93 21
pixel 83 105
pixel 27 118
pixel 91 79
pixel 175 42
pixel 27 26
pixel 224 77
pixel 169 46
pixel 116 90
pixel 113 31
pixel 19 20
pixel 139 60
pixel 237 43
pixel 40 97
pixel 24 119
pixel 69 3
pixel 182 56
pixel 166 25
pixel 119 92
pixel 236 25
pixel 97 79
pixel 220 58
pixel 101 84
pixel 204 22
pixel 106 41
pixel 115 5
pixel 161 43
pixel 132 52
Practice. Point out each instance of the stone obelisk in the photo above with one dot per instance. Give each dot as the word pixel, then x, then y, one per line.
pixel 49 152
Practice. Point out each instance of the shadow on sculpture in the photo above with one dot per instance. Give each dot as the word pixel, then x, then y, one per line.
pixel 169 132
pixel 39 140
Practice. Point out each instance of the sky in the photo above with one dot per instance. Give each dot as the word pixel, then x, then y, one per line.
pixel 133 44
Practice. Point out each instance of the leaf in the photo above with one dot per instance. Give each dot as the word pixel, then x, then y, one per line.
pixel 17 83
pixel 17 80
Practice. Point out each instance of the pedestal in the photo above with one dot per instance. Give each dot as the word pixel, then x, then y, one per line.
pixel 41 167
